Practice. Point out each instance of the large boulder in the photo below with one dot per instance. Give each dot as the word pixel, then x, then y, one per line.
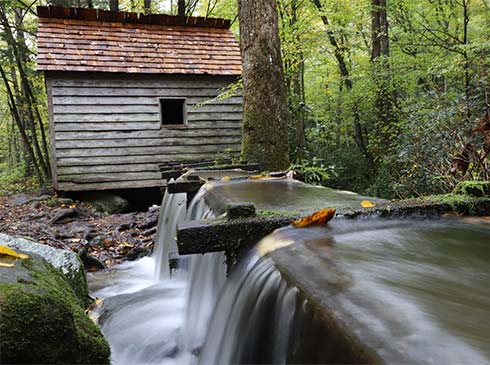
pixel 67 262
pixel 43 320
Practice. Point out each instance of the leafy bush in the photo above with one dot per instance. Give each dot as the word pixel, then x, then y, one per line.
pixel 14 180
pixel 316 175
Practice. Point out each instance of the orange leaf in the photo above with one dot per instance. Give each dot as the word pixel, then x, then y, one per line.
pixel 318 218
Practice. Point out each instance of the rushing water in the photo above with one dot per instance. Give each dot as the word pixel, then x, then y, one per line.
pixel 417 292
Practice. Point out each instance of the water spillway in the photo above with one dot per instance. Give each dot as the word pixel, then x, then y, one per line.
pixel 373 291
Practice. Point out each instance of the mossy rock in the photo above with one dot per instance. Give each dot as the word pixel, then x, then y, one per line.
pixel 473 188
pixel 66 262
pixel 42 321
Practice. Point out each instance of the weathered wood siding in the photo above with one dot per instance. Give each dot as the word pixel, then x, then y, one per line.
pixel 106 131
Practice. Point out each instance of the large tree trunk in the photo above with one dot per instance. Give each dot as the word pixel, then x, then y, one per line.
pixel 385 96
pixel 147 6
pixel 181 8
pixel 265 128
pixel 114 5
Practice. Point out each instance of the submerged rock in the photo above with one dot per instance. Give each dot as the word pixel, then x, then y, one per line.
pixel 43 321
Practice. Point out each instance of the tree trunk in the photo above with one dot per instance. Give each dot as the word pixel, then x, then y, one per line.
pixel 147 6
pixel 15 114
pixel 265 128
pixel 181 7
pixel 385 120
pixel 114 5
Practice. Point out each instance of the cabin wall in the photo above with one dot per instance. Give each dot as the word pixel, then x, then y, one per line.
pixel 106 131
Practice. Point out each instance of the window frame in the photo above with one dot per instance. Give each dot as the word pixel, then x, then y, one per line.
pixel 184 113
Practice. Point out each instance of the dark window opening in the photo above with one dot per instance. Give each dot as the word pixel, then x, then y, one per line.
pixel 172 111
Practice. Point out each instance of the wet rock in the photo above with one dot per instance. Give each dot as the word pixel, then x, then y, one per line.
pixel 89 262
pixel 64 201
pixel 66 262
pixel 36 205
pixel 105 202
pixel 99 241
pixel 137 253
pixel 67 215
pixel 42 319
pixel 22 199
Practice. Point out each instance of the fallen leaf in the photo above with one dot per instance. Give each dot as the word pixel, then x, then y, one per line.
pixel 258 177
pixel 7 251
pixel 3 264
pixel 367 204
pixel 225 178
pixel 318 218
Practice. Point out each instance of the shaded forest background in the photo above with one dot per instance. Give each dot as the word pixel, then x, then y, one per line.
pixel 387 98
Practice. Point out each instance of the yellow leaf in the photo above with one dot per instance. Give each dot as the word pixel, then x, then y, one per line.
pixel 225 178
pixel 258 177
pixel 72 206
pixel 126 244
pixel 318 218
pixel 3 264
pixel 367 204
pixel 4 250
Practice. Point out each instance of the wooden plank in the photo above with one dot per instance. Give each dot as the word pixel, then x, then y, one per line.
pixel 131 83
pixel 66 186
pixel 128 151
pixel 66 170
pixel 162 92
pixel 132 142
pixel 211 108
pixel 136 100
pixel 142 108
pixel 103 118
pixel 108 109
pixel 99 177
pixel 139 159
pixel 128 126
pixel 213 116
pixel 52 157
pixel 162 133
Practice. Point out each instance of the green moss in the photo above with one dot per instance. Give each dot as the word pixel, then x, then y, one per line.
pixel 43 321
pixel 240 210
pixel 458 203
pixel 473 188
pixel 292 214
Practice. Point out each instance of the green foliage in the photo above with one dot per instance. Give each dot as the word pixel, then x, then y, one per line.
pixel 226 157
pixel 317 175
pixel 13 181
pixel 473 188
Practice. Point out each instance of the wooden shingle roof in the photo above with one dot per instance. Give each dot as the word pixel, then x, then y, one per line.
pixel 94 40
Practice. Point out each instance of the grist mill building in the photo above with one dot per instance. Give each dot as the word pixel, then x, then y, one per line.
pixel 127 92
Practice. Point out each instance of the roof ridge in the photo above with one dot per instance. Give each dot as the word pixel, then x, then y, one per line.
pixel 59 12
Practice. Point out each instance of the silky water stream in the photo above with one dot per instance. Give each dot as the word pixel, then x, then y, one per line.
pixel 413 291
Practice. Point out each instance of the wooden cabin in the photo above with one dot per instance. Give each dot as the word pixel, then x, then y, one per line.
pixel 127 92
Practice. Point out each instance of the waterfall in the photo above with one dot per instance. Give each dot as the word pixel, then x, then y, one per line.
pixel 255 300
pixel 207 277
pixel 172 211
pixel 253 317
